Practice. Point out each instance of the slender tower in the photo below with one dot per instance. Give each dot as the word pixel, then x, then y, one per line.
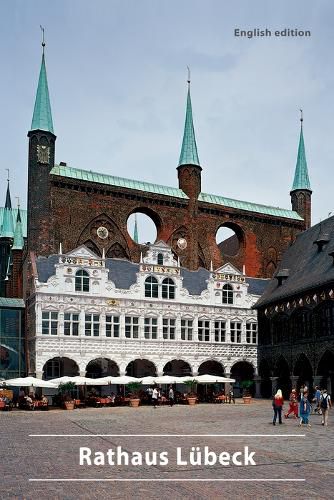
pixel 189 169
pixel 6 241
pixel 40 162
pixel 301 189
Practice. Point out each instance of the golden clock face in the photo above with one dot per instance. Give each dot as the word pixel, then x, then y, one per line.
pixel 102 232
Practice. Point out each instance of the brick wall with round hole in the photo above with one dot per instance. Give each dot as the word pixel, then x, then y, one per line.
pixel 143 227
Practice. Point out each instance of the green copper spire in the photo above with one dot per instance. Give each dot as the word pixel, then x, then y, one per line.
pixel 189 155
pixel 301 180
pixel 42 117
pixel 18 234
pixel 135 231
pixel 7 228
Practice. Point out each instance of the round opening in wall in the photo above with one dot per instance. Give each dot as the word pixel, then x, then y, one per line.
pixel 142 228
pixel 228 240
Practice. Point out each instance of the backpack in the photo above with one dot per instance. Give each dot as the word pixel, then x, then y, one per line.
pixel 324 402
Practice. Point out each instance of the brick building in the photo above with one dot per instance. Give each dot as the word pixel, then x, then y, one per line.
pixel 72 206
pixel 296 315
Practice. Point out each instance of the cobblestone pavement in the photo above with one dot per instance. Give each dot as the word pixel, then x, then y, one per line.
pixel 24 457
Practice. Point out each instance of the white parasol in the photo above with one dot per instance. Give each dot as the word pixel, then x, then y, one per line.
pixel 212 379
pixel 29 382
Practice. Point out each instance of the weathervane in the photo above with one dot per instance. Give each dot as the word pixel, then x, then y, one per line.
pixel 188 76
pixel 301 116
pixel 43 41
pixel 18 201
pixel 7 174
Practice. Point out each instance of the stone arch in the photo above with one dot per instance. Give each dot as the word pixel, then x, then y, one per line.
pixel 211 367
pixel 102 367
pixel 265 374
pixel 141 368
pixel 303 370
pixel 301 199
pixel 325 370
pixel 272 254
pixel 114 235
pixel 282 371
pixel 270 269
pixel 117 251
pixel 242 371
pixel 60 366
pixel 94 248
pixel 233 245
pixel 178 368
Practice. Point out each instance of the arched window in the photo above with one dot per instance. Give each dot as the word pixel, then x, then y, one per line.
pixel 81 281
pixel 151 287
pixel 227 294
pixel 160 259
pixel 168 289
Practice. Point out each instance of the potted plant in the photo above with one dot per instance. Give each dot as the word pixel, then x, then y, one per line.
pixel 191 396
pixel 134 388
pixel 246 394
pixel 66 390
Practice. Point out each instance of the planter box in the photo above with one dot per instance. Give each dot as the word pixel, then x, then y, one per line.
pixel 134 403
pixel 247 399
pixel 69 405
pixel 192 401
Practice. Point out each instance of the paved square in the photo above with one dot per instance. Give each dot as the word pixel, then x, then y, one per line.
pixel 283 457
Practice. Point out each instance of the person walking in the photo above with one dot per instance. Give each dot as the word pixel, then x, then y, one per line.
pixel 171 395
pixel 293 405
pixel 304 410
pixel 316 400
pixel 325 405
pixel 277 406
pixel 155 395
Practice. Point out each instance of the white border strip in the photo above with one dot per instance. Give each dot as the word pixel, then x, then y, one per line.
pixel 166 480
pixel 172 435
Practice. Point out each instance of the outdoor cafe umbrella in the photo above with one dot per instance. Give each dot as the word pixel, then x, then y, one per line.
pixel 212 379
pixel 77 380
pixel 29 382
pixel 149 380
pixel 169 379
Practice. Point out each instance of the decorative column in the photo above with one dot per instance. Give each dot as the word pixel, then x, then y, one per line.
pixel 294 380
pixel 317 380
pixel 227 384
pixel 257 380
pixel 273 384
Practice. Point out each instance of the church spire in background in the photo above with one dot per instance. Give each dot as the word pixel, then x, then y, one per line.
pixel 7 229
pixel 135 231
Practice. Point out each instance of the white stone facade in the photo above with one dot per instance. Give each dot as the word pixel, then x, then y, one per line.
pixel 188 327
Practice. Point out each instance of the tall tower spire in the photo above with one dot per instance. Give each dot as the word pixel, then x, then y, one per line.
pixel 41 160
pixel 42 117
pixel 189 154
pixel 189 169
pixel 301 188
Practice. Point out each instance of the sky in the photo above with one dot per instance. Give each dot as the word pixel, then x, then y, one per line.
pixel 117 72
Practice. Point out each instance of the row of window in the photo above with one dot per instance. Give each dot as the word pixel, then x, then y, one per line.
pixel 92 328
pixel 303 324
pixel 152 287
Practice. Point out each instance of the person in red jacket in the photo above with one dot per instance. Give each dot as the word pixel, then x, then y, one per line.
pixel 293 405
pixel 277 407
